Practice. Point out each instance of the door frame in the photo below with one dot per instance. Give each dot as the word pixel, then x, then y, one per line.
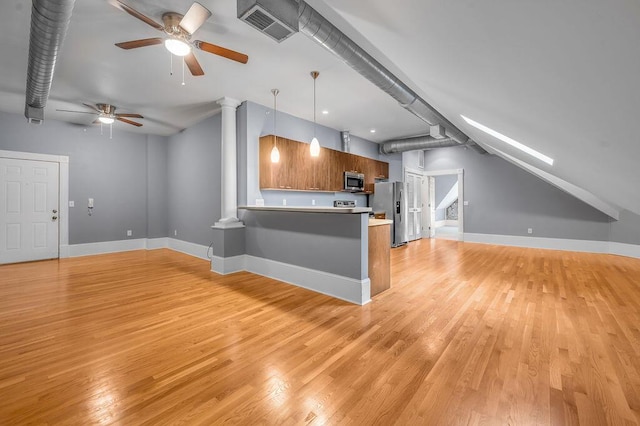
pixel 63 191
pixel 460 174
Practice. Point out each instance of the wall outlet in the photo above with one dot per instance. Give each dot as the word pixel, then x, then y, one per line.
pixel 129 233
pixel 313 202
pixel 284 201
pixel 175 232
pixel 90 203
pixel 72 203
pixel 529 230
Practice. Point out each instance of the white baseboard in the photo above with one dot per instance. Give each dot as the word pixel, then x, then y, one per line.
pixel 193 249
pixel 348 289
pixel 538 242
pixel 90 249
pixel 623 249
pixel 157 243
pixel 228 265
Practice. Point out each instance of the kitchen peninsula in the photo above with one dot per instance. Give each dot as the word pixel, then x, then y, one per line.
pixel 324 249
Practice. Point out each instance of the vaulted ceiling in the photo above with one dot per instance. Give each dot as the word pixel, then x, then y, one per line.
pixel 560 77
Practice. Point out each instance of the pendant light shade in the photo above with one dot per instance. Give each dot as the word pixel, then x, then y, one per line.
pixel 314 148
pixel 275 153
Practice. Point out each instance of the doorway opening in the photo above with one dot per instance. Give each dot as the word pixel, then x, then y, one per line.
pixel 444 215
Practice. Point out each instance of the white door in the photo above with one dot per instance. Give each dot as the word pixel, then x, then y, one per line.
pixel 28 210
pixel 414 204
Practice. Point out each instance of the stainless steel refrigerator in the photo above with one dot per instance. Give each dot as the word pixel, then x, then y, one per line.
pixel 390 197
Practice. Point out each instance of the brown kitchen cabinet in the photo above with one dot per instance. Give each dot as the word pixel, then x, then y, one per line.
pixel 298 171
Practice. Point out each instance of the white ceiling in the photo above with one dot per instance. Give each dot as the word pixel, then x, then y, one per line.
pixel 91 69
pixel 560 77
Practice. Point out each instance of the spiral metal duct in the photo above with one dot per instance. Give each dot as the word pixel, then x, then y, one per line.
pixel 323 32
pixel 49 23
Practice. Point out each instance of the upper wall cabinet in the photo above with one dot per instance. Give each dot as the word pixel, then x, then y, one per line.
pixel 298 171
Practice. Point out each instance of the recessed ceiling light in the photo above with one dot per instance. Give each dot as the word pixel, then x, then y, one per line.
pixel 510 141
pixel 372 130
pixel 325 112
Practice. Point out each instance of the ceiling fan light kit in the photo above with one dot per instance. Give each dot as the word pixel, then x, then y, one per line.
pixel 178 30
pixel 104 119
pixel 177 47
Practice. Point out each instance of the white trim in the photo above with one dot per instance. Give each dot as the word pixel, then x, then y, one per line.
pixel 157 243
pixel 538 242
pixel 227 265
pixel 349 289
pixel 63 191
pixel 193 249
pixel 624 249
pixel 90 249
pixel 443 172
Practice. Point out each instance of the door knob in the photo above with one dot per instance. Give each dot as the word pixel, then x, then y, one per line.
pixel 54 218
pixel 55 211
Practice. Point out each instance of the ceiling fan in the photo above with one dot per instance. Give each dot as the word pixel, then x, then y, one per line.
pixel 178 30
pixel 107 114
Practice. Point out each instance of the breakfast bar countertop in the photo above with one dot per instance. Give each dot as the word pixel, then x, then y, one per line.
pixel 309 209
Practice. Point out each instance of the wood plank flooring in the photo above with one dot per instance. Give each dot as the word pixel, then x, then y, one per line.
pixel 468 334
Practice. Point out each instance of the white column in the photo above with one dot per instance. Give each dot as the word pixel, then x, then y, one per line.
pixel 229 202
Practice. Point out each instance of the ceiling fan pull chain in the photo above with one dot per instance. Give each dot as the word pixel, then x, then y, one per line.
pixel 110 131
pixel 183 70
pixel 101 128
pixel 171 61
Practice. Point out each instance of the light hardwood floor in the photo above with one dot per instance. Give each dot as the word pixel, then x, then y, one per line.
pixel 468 334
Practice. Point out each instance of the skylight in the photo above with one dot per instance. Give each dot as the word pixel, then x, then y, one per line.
pixel 510 141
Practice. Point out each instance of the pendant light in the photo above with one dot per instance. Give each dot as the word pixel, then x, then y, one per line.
pixel 314 148
pixel 275 154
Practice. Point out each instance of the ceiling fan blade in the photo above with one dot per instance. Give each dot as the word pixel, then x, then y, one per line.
pixel 195 17
pixel 193 64
pixel 129 115
pixel 131 11
pixel 134 44
pixel 93 107
pixel 221 51
pixel 77 112
pixel 124 120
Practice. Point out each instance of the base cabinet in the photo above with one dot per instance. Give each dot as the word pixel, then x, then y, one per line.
pixel 379 258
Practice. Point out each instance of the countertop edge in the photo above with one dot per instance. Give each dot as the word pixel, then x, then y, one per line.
pixel 379 222
pixel 302 209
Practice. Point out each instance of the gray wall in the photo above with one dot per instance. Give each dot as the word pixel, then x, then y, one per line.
pixel 627 229
pixel 115 172
pixel 157 187
pixel 255 120
pixel 334 243
pixel 195 181
pixel 506 200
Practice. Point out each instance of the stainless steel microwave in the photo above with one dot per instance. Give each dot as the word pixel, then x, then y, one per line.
pixel 353 182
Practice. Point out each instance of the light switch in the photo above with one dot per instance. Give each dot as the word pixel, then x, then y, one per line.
pixel 72 204
pixel 90 203
pixel 466 203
